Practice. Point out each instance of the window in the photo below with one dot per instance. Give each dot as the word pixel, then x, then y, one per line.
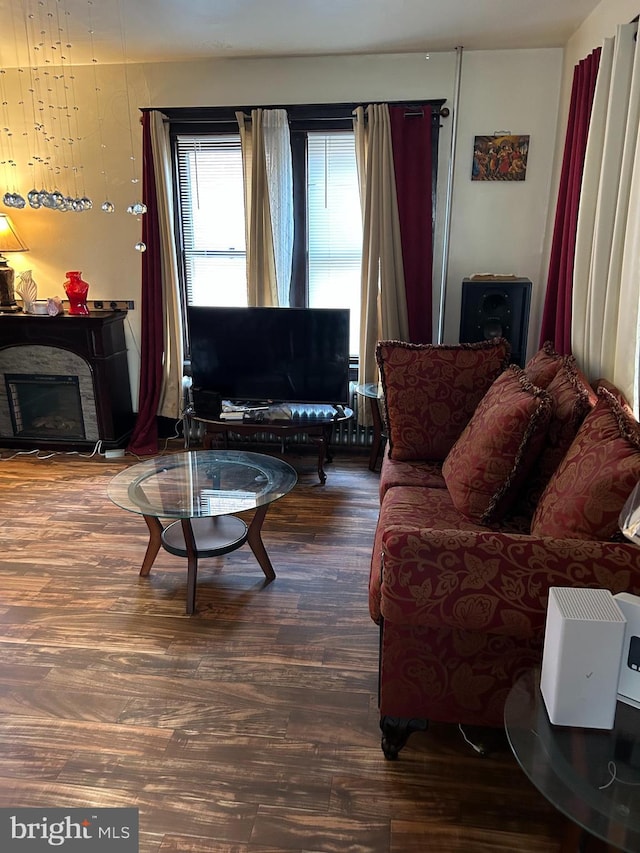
pixel 334 226
pixel 328 221
pixel 212 213
pixel 211 197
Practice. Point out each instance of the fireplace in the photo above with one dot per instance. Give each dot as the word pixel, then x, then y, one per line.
pixel 44 406
pixel 64 381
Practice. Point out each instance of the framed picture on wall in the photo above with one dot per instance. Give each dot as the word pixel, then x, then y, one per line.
pixel 501 157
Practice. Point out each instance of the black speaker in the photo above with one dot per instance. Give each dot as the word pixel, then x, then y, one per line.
pixel 494 308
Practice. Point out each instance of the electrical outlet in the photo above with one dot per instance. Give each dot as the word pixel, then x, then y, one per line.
pixel 111 305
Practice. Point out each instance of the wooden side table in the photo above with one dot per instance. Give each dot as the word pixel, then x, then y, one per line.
pixel 319 430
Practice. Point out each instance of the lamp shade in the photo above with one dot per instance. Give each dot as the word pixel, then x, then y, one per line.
pixel 9 239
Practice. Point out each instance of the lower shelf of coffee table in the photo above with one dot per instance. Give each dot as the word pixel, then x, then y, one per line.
pixel 213 536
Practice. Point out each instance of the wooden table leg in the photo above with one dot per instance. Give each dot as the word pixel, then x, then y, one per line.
pixel 376 419
pixel 255 542
pixel 327 434
pixel 155 531
pixel 322 451
pixel 192 564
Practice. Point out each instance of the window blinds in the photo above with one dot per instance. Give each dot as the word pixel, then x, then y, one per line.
pixel 334 225
pixel 210 187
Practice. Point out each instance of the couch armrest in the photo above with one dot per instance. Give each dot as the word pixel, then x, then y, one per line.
pixel 492 582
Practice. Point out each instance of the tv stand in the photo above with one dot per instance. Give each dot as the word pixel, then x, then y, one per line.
pixel 318 427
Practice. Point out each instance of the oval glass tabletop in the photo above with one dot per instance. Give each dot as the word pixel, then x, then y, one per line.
pixel 201 484
pixel 373 390
pixel 591 775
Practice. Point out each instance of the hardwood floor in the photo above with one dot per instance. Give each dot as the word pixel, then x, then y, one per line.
pixel 251 726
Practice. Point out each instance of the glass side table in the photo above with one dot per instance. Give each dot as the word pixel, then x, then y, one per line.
pixel 591 775
pixel 373 392
pixel 202 490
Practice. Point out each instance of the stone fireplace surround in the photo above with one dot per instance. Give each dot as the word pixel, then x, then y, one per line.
pixel 90 349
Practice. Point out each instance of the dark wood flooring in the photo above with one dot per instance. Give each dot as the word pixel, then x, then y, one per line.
pixel 251 726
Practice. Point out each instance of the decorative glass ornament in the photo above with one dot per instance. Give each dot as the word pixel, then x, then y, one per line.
pixel 27 289
pixel 76 289
pixel 137 209
pixel 108 206
pixel 140 246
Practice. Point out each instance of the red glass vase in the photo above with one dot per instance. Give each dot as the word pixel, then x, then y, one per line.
pixel 76 289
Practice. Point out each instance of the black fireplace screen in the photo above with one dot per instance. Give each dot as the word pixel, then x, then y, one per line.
pixel 45 406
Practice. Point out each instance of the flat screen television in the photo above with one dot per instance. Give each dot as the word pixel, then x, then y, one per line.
pixel 280 355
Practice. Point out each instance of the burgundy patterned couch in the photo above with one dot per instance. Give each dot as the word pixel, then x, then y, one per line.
pixel 496 484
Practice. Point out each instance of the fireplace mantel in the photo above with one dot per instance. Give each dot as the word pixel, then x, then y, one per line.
pixel 97 339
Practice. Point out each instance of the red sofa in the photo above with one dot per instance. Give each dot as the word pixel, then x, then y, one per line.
pixel 496 484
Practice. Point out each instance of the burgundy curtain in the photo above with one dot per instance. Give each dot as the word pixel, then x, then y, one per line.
pixel 556 316
pixel 412 156
pixel 144 441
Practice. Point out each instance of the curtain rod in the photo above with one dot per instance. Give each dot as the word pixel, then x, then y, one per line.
pixel 296 112
pixel 444 112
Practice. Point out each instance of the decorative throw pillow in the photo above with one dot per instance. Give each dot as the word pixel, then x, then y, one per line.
pixel 498 447
pixel 572 397
pixel 617 393
pixel 431 391
pixel 588 489
pixel 543 366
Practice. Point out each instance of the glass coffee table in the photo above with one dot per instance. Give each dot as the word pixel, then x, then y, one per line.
pixel 202 490
pixel 591 775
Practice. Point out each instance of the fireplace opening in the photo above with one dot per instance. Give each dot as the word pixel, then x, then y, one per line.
pixel 44 406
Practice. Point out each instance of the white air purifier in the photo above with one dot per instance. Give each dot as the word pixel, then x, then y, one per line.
pixel 583 642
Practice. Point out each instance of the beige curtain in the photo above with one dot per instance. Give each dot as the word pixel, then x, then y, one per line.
pixel 171 398
pixel 383 299
pixel 279 173
pixel 262 284
pixel 606 290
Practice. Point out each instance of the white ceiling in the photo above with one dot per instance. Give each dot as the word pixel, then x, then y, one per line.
pixel 108 31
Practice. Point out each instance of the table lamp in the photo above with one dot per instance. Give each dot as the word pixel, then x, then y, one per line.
pixel 9 242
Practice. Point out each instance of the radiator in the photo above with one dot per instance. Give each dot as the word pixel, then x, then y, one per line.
pixel 350 432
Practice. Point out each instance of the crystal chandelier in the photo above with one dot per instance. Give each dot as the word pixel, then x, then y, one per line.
pixel 43 111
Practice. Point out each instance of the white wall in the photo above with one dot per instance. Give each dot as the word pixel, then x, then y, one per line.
pixel 498 227
pixel 600 24
pixel 495 227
